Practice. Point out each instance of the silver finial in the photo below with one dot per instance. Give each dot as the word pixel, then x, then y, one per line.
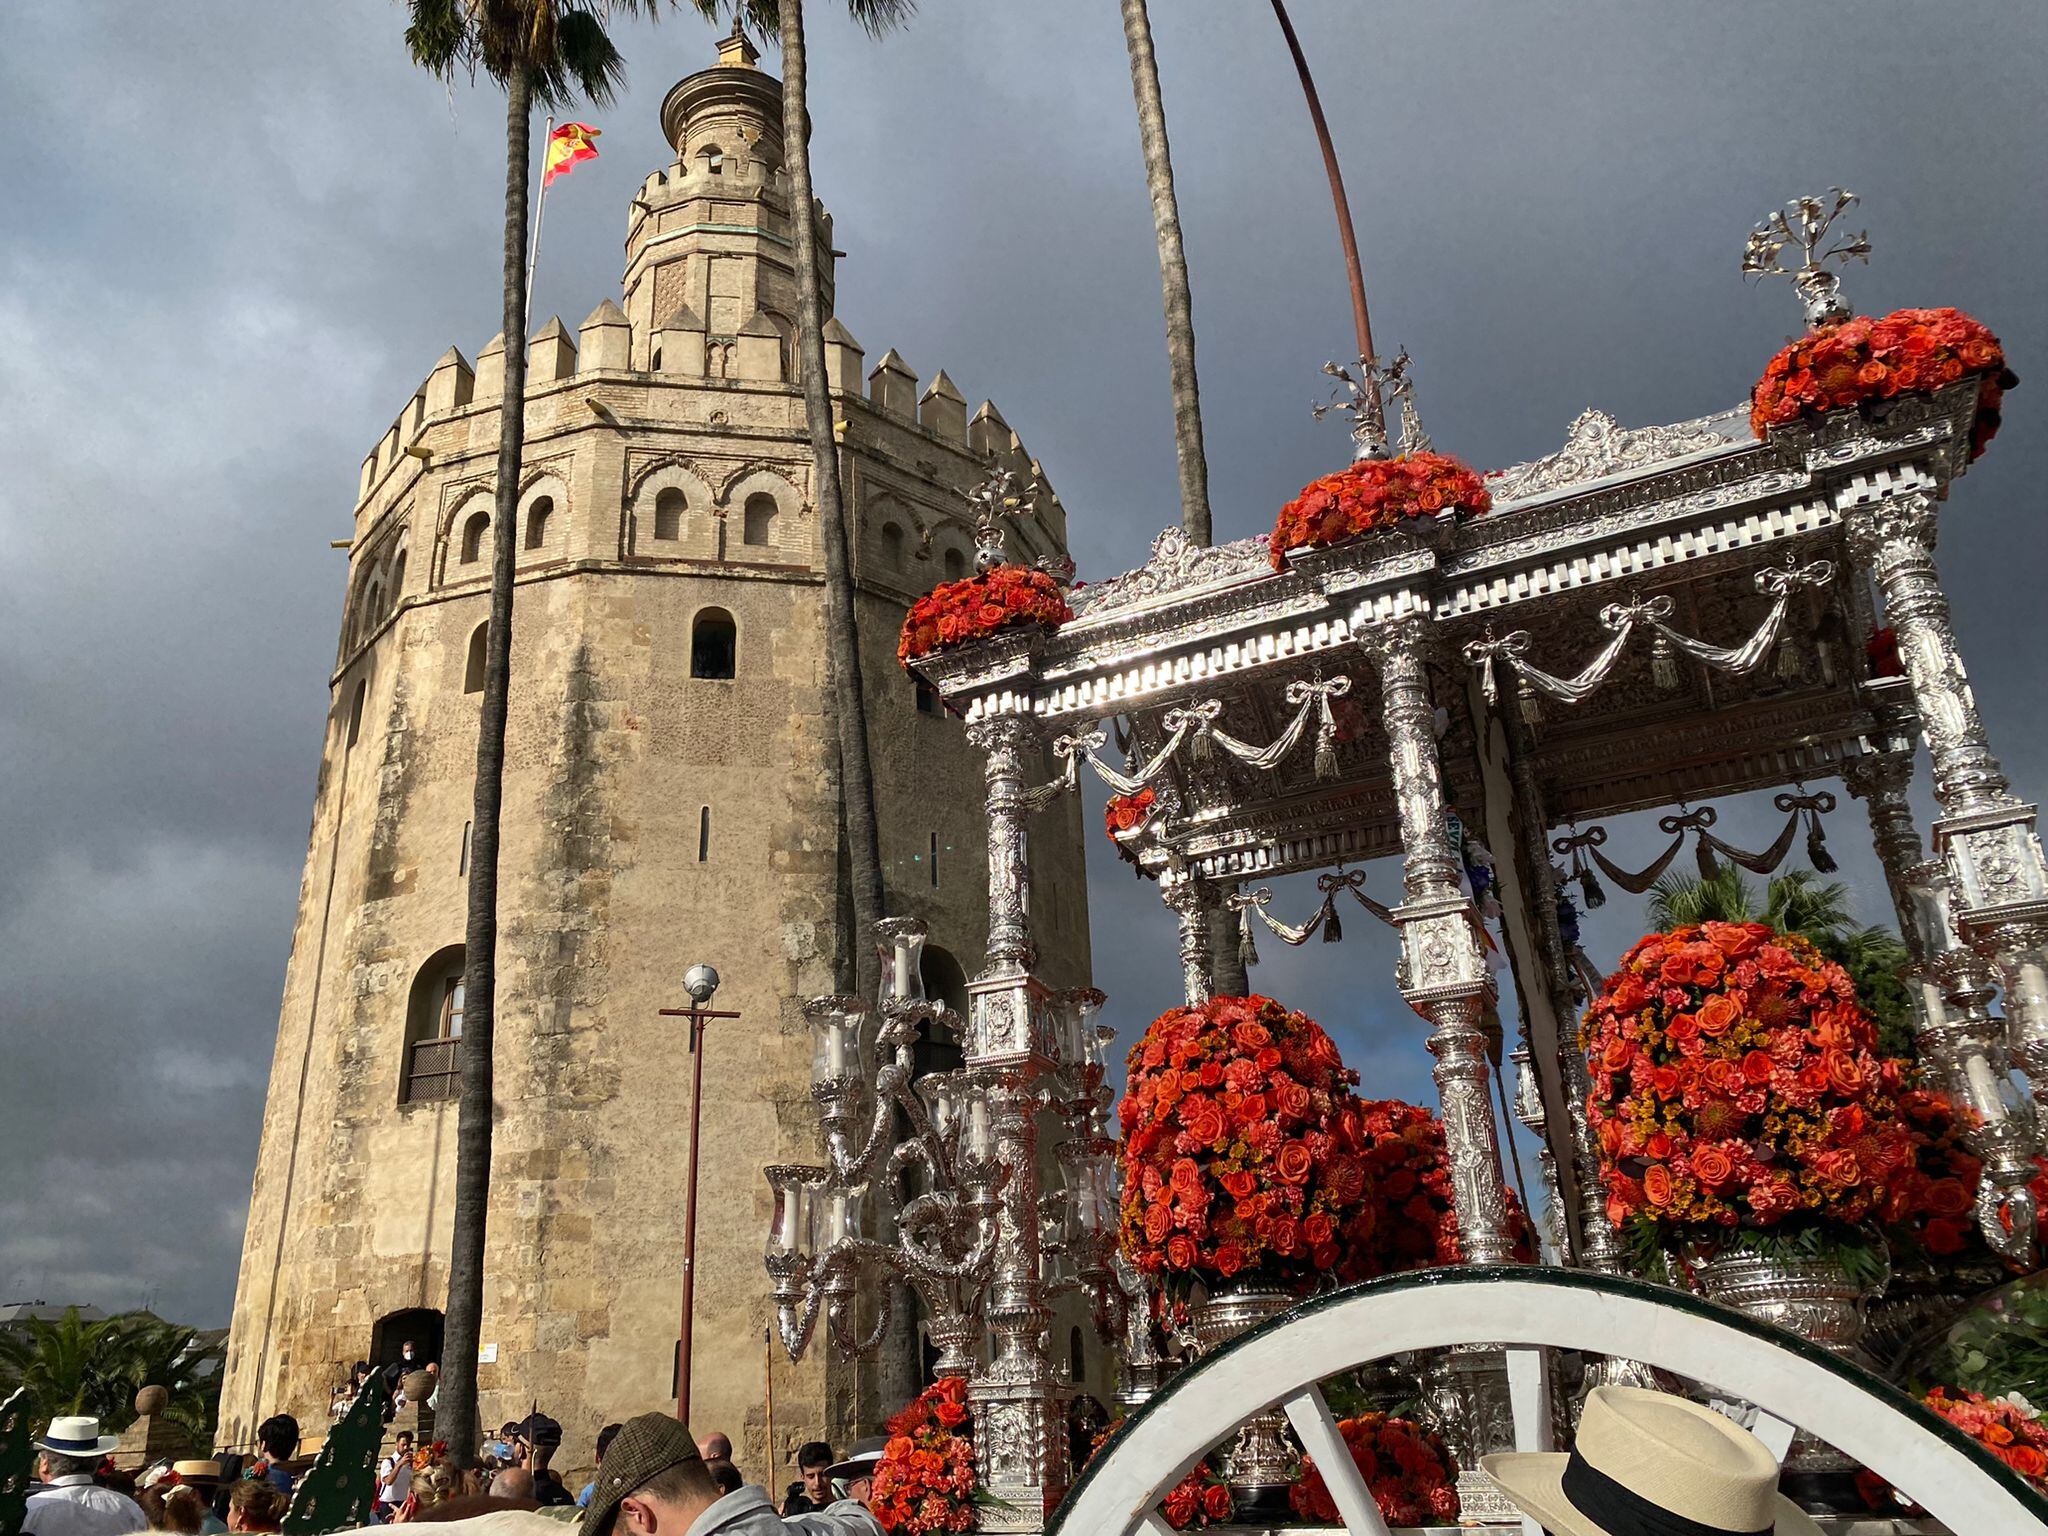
pixel 1402 388
pixel 1001 494
pixel 1363 398
pixel 1803 224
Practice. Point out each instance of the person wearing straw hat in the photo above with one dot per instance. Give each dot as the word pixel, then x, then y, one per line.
pixel 654 1482
pixel 1650 1464
pixel 70 1502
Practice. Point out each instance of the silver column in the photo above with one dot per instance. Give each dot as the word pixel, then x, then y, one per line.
pixel 1442 974
pixel 1192 905
pixel 1996 875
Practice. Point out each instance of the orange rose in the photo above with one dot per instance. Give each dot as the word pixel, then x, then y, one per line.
pixel 1657 1185
pixel 1712 1167
pixel 1718 1015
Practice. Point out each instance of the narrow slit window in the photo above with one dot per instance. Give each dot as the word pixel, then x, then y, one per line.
pixel 462 858
pixel 935 858
pixel 355 712
pixel 704 835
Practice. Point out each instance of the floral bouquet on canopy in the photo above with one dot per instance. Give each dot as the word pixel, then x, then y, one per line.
pixel 1404 1465
pixel 1241 1150
pixel 926 1480
pixel 1411 1218
pixel 957 612
pixel 1737 1090
pixel 1910 351
pixel 1930 1204
pixel 1376 493
pixel 2009 1427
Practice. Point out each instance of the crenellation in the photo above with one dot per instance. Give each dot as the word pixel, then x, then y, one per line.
pixel 551 355
pixel 450 386
pixel 988 435
pixel 893 385
pixel 490 370
pixel 605 340
pixel 759 350
pixel 942 410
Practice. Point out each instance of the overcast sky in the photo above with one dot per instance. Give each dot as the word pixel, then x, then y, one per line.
pixel 234 237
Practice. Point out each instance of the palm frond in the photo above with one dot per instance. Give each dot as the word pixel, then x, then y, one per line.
pixel 879 16
pixel 583 61
pixel 439 37
pixel 1679 901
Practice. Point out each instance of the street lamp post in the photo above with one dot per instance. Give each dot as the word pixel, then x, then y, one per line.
pixel 700 982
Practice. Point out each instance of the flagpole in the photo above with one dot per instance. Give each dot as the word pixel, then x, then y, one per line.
pixel 540 209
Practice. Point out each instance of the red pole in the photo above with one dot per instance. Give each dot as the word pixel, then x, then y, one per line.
pixel 1360 320
pixel 690 1218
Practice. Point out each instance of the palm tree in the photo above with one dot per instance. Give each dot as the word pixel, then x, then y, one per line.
pixel 74 1366
pixel 1800 902
pixel 1173 275
pixel 784 19
pixel 546 52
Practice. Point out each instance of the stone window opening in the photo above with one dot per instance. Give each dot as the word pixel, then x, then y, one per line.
pixel 421 1327
pixel 433 1031
pixel 668 515
pixel 473 668
pixel 714 645
pixel 355 711
pixel 398 574
pixel 537 522
pixel 462 858
pixel 935 861
pixel 712 158
pixel 955 564
pixel 892 545
pixel 757 520
pixel 474 532
pixel 704 835
pixel 927 698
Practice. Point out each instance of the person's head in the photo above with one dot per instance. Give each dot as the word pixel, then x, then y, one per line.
pixel 435 1485
pixel 654 1482
pixel 402 1442
pixel 716 1446
pixel 512 1483
pixel 814 1466
pixel 405 1350
pixel 361 1373
pixel 184 1511
pixel 791 1494
pixel 857 1471
pixel 727 1476
pixel 279 1437
pixel 254 1505
pixel 542 1437
pixel 605 1437
pixel 51 1465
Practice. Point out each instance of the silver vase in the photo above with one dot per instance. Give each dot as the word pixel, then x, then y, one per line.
pixel 1816 1300
pixel 1260 1465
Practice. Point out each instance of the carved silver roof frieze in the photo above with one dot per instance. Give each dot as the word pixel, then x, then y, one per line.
pixel 1597 447
pixel 1175 567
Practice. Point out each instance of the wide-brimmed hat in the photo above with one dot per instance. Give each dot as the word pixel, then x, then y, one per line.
pixel 1646 1463
pixel 76 1437
pixel 196 1471
pixel 860 1461
pixel 641 1451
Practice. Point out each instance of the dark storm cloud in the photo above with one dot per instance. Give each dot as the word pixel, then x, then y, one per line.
pixel 234 237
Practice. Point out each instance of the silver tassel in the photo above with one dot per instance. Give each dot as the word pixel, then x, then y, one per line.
pixel 1333 930
pixel 1663 663
pixel 1591 888
pixel 1532 707
pixel 1790 669
pixel 1199 750
pixel 1326 751
pixel 1703 856
pixel 1247 947
pixel 1817 847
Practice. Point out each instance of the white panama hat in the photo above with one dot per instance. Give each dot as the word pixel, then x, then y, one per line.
pixel 1650 1464
pixel 76 1437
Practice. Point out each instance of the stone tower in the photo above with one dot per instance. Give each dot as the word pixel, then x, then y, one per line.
pixel 669 797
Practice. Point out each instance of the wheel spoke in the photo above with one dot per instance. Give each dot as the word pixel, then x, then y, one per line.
pixel 1154 1524
pixel 1312 1422
pixel 1775 1433
pixel 1529 1397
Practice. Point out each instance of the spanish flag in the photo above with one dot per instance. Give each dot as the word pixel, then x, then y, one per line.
pixel 568 147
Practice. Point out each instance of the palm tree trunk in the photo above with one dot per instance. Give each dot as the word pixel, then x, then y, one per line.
pixel 456 1407
pixel 842 635
pixel 1173 275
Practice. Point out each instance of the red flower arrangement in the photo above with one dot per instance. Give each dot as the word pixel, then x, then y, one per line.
pixel 1376 493
pixel 1127 813
pixel 1931 1203
pixel 955 612
pixel 1910 351
pixel 1241 1150
pixel 1404 1465
pixel 926 1479
pixel 1881 650
pixel 1411 1218
pixel 2009 1432
pixel 1735 1084
pixel 1197 1500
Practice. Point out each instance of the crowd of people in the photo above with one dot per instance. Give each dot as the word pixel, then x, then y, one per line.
pixel 651 1478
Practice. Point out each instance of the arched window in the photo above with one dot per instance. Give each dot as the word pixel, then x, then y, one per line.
pixel 432 1069
pixel 537 517
pixel 714 645
pixel 355 711
pixel 892 545
pixel 473 667
pixel 668 514
pixel 398 574
pixel 927 698
pixel 373 605
pixel 418 1326
pixel 955 565
pixel 757 523
pixel 654 362
pixel 712 159
pixel 474 532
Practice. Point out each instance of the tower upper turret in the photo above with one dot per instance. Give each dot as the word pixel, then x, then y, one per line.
pixel 710 248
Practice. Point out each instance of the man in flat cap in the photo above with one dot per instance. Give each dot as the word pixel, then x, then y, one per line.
pixel 654 1482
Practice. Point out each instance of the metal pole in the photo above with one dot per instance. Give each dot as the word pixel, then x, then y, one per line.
pixel 1360 320
pixel 690 1219
pixel 540 209
pixel 768 1393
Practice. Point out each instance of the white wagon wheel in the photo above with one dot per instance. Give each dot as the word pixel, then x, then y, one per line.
pixel 1529 1309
